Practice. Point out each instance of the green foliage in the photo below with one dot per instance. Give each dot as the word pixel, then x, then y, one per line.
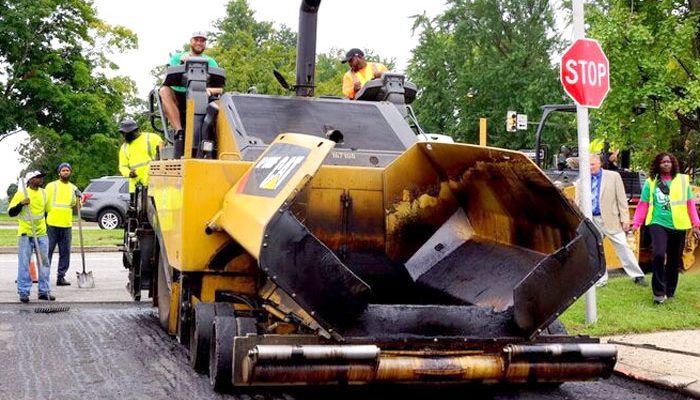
pixel 653 49
pixel 54 54
pixel 11 190
pixel 249 50
pixel 481 58
pixel 624 307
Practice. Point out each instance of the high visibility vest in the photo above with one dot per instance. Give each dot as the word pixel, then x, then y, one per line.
pixel 62 199
pixel 678 195
pixel 596 146
pixel 362 76
pixel 37 207
pixel 137 155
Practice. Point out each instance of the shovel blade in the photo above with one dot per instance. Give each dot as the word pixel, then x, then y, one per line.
pixel 85 280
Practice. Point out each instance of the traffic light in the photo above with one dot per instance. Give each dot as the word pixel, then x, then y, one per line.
pixel 511 121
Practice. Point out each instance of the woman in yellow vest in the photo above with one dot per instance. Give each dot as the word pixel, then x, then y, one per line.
pixel 668 210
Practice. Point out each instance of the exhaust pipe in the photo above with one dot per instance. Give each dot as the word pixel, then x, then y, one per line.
pixel 306 47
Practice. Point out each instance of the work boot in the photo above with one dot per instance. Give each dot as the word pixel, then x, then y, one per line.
pixel 640 281
pixel 62 282
pixel 24 299
pixel 47 297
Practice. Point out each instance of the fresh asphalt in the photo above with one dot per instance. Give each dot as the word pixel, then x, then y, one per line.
pixel 108 347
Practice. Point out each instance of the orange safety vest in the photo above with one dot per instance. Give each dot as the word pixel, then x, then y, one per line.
pixel 361 77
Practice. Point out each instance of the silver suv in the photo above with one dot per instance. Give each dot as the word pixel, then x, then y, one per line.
pixel 105 201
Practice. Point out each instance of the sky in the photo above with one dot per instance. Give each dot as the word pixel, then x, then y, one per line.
pixel 163 26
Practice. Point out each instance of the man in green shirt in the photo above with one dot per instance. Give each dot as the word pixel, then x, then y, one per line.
pixel 174 98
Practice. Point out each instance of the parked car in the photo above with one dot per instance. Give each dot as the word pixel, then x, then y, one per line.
pixel 105 201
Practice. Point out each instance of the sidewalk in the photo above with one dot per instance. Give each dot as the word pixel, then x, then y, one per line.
pixel 108 272
pixel 667 359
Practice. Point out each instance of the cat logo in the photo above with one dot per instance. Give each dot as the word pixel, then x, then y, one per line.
pixel 274 169
pixel 282 167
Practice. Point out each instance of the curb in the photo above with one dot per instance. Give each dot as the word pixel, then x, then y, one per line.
pixel 660 383
pixel 74 249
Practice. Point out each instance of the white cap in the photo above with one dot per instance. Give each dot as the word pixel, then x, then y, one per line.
pixel 201 34
pixel 31 175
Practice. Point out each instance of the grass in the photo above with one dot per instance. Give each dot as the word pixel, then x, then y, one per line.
pixel 624 307
pixel 6 218
pixel 92 237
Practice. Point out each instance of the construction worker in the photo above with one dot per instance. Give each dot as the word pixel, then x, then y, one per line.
pixel 174 98
pixel 360 72
pixel 136 153
pixel 62 197
pixel 29 210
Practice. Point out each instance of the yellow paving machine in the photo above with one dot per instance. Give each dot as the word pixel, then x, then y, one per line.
pixel 301 240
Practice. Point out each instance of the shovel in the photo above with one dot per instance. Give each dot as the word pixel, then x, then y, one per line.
pixel 85 279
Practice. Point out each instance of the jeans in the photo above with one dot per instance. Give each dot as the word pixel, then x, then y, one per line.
pixel 62 238
pixel 24 281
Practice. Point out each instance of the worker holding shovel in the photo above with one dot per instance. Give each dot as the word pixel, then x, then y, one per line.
pixel 29 205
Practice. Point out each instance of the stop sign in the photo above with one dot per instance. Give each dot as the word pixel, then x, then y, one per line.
pixel 585 73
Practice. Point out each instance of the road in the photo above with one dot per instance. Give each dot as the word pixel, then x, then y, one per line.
pixel 109 348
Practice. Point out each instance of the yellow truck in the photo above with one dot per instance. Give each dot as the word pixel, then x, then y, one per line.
pixel 296 240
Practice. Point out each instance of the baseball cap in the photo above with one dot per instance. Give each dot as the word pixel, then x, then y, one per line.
pixel 31 175
pixel 128 125
pixel 352 53
pixel 201 34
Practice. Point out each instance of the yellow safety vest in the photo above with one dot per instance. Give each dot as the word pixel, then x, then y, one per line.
pixel 62 200
pixel 137 155
pixel 678 195
pixel 37 208
pixel 596 145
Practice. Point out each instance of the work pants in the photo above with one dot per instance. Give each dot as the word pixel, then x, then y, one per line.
pixel 667 256
pixel 622 250
pixel 25 246
pixel 61 237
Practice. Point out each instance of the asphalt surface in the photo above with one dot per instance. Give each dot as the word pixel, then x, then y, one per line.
pixel 118 351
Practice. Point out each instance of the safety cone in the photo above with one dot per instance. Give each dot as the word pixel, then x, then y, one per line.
pixel 32 272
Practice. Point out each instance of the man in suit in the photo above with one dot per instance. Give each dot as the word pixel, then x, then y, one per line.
pixel 611 217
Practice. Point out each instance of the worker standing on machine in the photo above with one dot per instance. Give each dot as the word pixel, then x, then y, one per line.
pixel 136 154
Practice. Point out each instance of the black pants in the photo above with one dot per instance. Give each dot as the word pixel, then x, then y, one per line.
pixel 667 245
pixel 62 238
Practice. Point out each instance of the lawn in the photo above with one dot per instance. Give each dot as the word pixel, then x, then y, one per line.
pixel 6 218
pixel 624 307
pixel 93 237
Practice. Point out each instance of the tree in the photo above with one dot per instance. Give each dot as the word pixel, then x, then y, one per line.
pixel 481 58
pixel 654 52
pixel 249 50
pixel 53 54
pixel 11 190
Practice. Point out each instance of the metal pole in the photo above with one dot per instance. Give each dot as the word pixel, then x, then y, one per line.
pixel 584 184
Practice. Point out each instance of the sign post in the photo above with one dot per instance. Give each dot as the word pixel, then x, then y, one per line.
pixel 585 75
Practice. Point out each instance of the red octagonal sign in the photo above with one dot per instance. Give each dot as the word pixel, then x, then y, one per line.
pixel 585 73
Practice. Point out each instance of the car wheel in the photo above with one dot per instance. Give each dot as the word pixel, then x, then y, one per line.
pixel 109 219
